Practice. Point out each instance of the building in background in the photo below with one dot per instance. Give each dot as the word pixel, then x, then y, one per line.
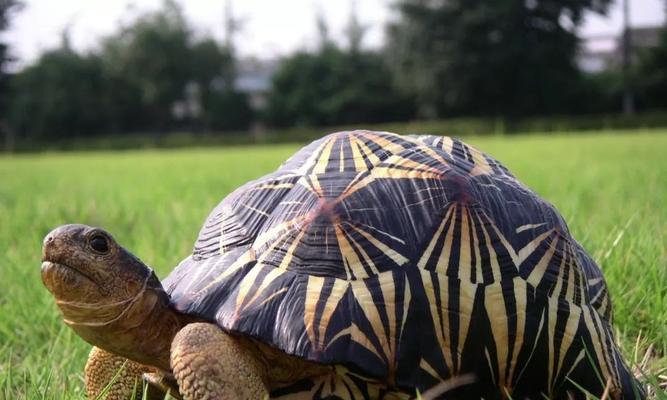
pixel 600 53
pixel 254 78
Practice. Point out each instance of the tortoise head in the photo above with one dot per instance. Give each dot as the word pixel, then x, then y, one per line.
pixel 95 281
pixel 107 295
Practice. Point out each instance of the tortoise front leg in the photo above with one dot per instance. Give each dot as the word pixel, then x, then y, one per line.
pixel 211 364
pixel 101 369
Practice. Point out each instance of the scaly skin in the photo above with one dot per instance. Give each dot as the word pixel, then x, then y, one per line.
pixel 202 350
pixel 129 379
pixel 102 367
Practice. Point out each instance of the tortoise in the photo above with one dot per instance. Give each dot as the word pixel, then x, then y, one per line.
pixel 369 265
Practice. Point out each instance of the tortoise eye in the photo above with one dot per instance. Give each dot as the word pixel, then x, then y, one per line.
pixel 99 244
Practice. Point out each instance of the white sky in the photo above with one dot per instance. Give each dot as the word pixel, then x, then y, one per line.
pixel 271 27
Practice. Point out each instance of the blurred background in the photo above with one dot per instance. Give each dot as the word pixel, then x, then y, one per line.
pixel 92 74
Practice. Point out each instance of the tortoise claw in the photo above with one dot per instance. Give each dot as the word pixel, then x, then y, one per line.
pixel 160 384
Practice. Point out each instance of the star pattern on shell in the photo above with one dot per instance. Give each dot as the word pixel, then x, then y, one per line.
pixel 409 259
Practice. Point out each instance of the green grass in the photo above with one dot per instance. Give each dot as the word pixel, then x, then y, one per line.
pixel 611 188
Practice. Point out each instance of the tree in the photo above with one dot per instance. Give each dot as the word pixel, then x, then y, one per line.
pixel 156 65
pixel 151 57
pixel 138 80
pixel 60 95
pixel 214 71
pixel 652 76
pixel 504 57
pixel 334 87
pixel 7 7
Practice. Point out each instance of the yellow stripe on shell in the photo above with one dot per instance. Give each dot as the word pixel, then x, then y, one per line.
pixel 365 300
pixel 510 250
pixel 608 352
pixel 323 160
pixel 465 251
pixel 289 254
pixel 244 259
pixel 528 226
pixel 271 276
pixel 598 349
pixel 338 290
pixel 447 144
pixel 388 289
pixel 425 366
pixel 351 261
pixel 493 258
pixel 440 325
pixel 407 297
pixel 253 209
pixel 372 157
pixel 272 186
pixel 358 336
pixel 494 303
pixel 551 332
pixel 395 256
pixel 521 301
pixel 529 248
pixel 365 256
pixel 410 165
pixel 536 275
pixel 558 288
pixel 482 166
pixel 466 303
pixel 385 144
pixel 244 288
pixel 359 164
pixel 310 162
pixel 479 277
pixel 423 261
pixel 313 293
pixel 446 252
pixel 285 226
pixel 428 150
pixel 569 295
pixel 571 326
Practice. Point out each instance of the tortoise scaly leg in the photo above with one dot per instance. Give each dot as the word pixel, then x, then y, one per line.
pixel 101 369
pixel 211 364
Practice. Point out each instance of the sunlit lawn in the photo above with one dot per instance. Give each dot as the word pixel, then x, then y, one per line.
pixel 611 188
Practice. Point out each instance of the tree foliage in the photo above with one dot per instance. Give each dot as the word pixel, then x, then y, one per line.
pixel 652 75
pixel 333 86
pixel 222 107
pixel 503 57
pixel 153 75
pixel 42 109
pixel 7 7
pixel 152 55
pixel 443 58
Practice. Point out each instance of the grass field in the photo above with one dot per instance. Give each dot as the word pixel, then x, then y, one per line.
pixel 611 188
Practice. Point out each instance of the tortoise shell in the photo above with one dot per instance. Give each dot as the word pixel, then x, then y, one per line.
pixel 408 260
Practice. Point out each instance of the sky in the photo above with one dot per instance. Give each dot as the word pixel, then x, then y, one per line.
pixel 270 28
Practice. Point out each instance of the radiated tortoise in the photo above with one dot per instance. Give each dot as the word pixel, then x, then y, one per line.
pixel 369 265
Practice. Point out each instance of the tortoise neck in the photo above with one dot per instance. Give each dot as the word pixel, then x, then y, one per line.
pixel 143 332
pixel 151 340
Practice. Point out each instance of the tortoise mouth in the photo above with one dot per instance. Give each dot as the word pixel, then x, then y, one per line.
pixel 64 273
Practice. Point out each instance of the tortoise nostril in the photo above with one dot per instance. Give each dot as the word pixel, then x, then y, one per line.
pixel 48 240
